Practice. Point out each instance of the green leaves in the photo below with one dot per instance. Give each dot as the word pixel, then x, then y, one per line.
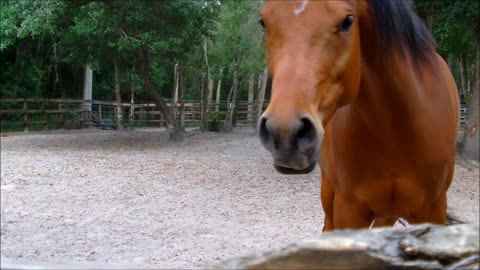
pixel 453 24
pixel 456 27
pixel 238 34
pixel 42 40
pixel 28 18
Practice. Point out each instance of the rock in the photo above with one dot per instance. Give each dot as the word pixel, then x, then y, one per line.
pixel 416 247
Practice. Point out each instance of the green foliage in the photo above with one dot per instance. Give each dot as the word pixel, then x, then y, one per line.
pixel 28 18
pixel 215 121
pixel 239 35
pixel 44 44
pixel 456 27
pixel 454 24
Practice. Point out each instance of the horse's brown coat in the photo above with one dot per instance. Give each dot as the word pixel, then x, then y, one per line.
pixel 390 121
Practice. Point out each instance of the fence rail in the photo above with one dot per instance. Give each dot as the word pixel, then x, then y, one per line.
pixel 78 113
pixel 35 113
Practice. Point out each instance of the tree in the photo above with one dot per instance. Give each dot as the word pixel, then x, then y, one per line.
pixel 27 45
pixel 251 95
pixel 117 95
pixel 206 94
pixel 237 48
pixel 232 97
pixel 65 35
pixel 50 43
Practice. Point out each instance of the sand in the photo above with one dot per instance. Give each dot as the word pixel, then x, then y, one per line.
pixel 134 198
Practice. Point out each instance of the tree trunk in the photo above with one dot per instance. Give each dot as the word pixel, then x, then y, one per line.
pixel 208 89
pixel 55 66
pixel 116 65
pixel 261 96
pixel 131 117
pixel 463 78
pixel 251 97
pixel 471 83
pixel 251 88
pixel 471 138
pixel 259 84
pixel 174 99
pixel 174 132
pixel 203 102
pixel 227 126
pixel 182 97
pixel 175 84
pixel 219 87
pixel 20 48
pixel 235 104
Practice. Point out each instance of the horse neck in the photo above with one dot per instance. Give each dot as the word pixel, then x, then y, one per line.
pixel 388 85
pixel 389 94
pixel 388 98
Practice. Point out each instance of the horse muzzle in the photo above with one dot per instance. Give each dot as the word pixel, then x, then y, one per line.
pixel 295 147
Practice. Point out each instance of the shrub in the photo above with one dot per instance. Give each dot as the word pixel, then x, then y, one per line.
pixel 215 121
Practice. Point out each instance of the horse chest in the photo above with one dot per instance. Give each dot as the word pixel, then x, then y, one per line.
pixel 387 186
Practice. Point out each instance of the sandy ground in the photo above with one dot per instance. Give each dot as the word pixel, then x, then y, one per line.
pixel 133 198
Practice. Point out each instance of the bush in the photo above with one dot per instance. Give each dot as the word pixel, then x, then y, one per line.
pixel 215 121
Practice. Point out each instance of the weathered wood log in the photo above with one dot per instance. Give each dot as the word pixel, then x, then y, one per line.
pixel 417 247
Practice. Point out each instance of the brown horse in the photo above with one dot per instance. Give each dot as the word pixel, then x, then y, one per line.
pixel 358 88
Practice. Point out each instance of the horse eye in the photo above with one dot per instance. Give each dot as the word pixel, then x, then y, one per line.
pixel 262 23
pixel 346 24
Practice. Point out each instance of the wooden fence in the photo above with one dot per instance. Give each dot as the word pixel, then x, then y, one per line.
pixel 31 113
pixel 28 113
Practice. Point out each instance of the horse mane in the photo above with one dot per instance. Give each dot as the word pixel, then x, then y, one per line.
pixel 399 27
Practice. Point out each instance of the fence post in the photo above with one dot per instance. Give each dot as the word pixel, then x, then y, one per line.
pixel 160 122
pixel 25 115
pixel 42 107
pixel 160 118
pixel 60 107
pixel 100 118
pixel 193 113
pixel 82 116
pixel 131 118
pixel 148 115
pixel 254 110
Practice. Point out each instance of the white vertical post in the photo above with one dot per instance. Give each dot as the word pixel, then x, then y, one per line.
pixel 87 87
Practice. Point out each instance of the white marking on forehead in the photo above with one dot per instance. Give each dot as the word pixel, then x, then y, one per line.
pixel 298 10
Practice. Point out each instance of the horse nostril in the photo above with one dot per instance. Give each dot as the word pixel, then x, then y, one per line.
pixel 263 132
pixel 306 131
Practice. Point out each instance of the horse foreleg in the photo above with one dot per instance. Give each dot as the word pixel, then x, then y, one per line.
pixel 350 214
pixel 327 195
pixel 435 212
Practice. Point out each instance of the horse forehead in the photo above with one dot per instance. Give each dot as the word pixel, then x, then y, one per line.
pixel 311 10
pixel 282 8
pixel 300 8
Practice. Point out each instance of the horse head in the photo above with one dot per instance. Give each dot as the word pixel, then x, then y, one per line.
pixel 313 55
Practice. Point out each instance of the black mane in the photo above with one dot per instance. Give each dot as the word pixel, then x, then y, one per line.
pixel 399 27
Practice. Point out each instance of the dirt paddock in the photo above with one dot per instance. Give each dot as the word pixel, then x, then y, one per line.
pixel 133 198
